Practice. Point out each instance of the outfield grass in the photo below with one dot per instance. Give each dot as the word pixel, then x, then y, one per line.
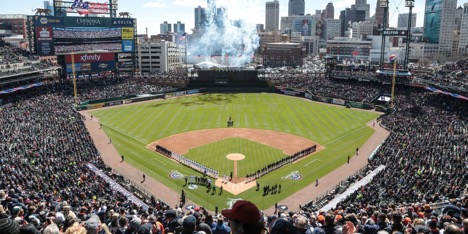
pixel 339 129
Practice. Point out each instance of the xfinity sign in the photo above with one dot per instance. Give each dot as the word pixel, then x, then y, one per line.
pixel 89 58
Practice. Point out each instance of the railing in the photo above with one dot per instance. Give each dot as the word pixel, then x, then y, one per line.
pixel 322 199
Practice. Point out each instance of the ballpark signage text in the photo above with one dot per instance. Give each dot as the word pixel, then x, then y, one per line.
pixel 87 58
pixel 45 42
pixel 395 33
pixel 127 33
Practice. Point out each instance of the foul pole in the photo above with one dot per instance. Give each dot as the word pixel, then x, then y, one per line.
pixel 75 90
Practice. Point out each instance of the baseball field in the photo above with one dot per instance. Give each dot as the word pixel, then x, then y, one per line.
pixel 267 127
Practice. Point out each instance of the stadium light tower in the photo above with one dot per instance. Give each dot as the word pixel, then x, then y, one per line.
pixel 410 4
pixel 383 4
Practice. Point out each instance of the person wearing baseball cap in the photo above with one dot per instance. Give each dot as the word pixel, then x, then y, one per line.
pixel 244 217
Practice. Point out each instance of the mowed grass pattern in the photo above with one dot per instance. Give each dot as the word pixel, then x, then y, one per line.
pixel 256 155
pixel 339 129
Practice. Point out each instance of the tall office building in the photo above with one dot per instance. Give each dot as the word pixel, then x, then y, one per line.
pixel 349 16
pixel 458 18
pixel 330 11
pixel 403 20
pixel 165 27
pixel 379 15
pixel 447 22
pixel 296 7
pixel 463 42
pixel 432 15
pixel 200 17
pixel 179 27
pixel 361 5
pixel 332 28
pixel 272 16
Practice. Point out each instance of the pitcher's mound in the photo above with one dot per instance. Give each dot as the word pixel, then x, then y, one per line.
pixel 235 157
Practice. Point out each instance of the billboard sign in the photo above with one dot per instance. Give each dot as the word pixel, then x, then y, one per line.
pixel 122 22
pixel 83 34
pixel 83 8
pixel 127 33
pixel 88 58
pixel 127 46
pixel 396 33
pixel 48 21
pixel 45 41
pixel 91 67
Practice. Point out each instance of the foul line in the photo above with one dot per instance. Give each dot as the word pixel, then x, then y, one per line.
pixel 159 161
pixel 115 129
pixel 311 162
pixel 349 133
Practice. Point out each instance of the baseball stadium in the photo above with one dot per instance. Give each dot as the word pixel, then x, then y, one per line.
pixel 91 144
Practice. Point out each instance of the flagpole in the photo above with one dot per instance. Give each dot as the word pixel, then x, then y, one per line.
pixel 393 81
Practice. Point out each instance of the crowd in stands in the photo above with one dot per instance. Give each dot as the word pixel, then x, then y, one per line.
pixel 46 186
pixel 450 75
pixel 100 88
pixel 77 33
pixel 14 60
pixel 108 46
pixel 166 76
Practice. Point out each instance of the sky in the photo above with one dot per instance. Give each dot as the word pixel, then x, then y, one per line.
pixel 151 13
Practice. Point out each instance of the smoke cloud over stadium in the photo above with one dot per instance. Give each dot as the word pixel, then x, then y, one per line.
pixel 220 39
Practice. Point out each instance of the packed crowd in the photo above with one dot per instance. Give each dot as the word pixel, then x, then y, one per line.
pixel 450 75
pixel 12 54
pixel 110 46
pixel 77 33
pixel 46 185
pixel 100 88
pixel 16 61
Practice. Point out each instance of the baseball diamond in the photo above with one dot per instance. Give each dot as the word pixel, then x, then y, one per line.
pixel 269 129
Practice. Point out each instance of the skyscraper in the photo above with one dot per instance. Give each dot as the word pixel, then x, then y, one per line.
pixel 379 15
pixel 403 20
pixel 165 27
pixel 447 21
pixel 272 16
pixel 296 7
pixel 432 14
pixel 49 6
pixel 330 11
pixel 463 43
pixel 200 17
pixel 179 27
pixel 361 5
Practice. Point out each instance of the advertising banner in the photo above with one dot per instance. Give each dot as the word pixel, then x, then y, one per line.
pixel 127 45
pixel 122 22
pixel 71 21
pixel 89 58
pixel 338 101
pixel 103 66
pixel 79 67
pixel 290 92
pixel 45 41
pixel 127 33
pixel 48 21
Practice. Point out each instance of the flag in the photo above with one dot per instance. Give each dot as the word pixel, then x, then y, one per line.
pixel 183 36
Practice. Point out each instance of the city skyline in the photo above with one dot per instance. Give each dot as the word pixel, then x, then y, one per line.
pixel 151 13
